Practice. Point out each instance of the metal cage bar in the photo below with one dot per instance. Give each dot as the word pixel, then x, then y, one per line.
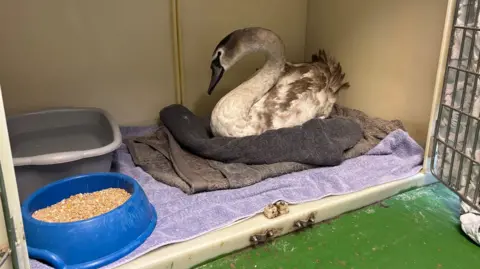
pixel 456 151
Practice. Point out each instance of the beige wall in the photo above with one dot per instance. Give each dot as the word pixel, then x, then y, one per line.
pixel 205 22
pixel 117 54
pixel 389 50
pixel 113 54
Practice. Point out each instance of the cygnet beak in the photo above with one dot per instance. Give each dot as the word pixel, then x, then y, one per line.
pixel 217 73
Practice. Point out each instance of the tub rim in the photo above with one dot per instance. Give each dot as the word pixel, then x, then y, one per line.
pixel 71 156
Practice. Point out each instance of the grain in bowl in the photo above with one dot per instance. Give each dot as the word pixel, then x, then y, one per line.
pixel 83 206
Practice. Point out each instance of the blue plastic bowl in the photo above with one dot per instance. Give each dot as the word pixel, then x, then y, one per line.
pixel 94 242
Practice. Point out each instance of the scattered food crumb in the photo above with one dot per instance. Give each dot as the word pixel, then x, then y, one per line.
pixel 370 210
pixel 83 206
pixel 270 211
pixel 282 207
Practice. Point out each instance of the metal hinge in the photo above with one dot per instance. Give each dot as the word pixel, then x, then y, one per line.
pixel 264 236
pixel 300 224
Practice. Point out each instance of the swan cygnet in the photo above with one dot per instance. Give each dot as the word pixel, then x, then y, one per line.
pixel 279 95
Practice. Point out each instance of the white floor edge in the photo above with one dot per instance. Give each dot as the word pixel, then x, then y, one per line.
pixel 237 236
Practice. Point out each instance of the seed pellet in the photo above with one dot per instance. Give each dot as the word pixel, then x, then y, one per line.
pixel 83 206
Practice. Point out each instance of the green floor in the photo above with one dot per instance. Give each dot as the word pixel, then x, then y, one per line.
pixel 417 229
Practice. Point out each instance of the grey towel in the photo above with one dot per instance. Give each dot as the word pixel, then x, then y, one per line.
pixel 316 142
pixel 163 158
pixel 160 155
pixel 374 129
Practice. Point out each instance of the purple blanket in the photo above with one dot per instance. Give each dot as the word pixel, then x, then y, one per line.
pixel 396 157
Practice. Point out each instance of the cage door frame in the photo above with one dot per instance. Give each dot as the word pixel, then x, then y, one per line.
pixel 455 142
pixel 10 199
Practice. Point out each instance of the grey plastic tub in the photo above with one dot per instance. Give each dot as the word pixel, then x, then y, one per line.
pixel 53 144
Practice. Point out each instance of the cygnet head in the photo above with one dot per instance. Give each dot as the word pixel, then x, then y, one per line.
pixel 239 43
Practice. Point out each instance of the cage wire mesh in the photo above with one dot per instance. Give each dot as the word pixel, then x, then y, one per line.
pixel 456 146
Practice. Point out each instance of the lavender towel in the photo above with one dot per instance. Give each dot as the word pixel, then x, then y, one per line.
pixel 397 156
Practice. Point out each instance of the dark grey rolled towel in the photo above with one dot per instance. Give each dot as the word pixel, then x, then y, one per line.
pixel 317 142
